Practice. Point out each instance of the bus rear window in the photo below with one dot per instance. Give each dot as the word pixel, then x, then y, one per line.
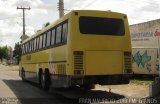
pixel 101 26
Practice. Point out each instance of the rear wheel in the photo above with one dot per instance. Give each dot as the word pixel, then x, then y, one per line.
pixel 23 74
pixel 45 80
pixel 40 77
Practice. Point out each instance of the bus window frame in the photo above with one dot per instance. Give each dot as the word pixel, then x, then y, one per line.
pixel 37 45
pixel 53 43
pixel 37 38
pixel 58 34
pixel 48 43
pixel 84 30
pixel 35 41
pixel 44 40
pixel 64 33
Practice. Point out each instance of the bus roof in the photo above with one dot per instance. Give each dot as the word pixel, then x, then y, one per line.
pixel 63 18
pixel 46 28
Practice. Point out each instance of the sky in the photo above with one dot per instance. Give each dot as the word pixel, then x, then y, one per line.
pixel 43 11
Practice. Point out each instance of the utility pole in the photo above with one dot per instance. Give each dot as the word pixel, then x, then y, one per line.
pixel 24 8
pixel 61 8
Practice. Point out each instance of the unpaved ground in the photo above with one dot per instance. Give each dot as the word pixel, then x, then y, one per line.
pixel 129 90
pixel 14 91
pixel 11 86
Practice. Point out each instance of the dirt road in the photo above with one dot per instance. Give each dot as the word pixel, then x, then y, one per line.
pixel 13 91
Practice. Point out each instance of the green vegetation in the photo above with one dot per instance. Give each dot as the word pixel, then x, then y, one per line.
pixel 47 24
pixel 3 52
pixel 17 52
pixel 141 82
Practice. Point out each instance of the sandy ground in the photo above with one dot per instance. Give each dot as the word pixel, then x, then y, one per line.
pixel 129 90
pixel 11 86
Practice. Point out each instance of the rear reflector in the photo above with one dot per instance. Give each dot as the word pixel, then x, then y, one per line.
pixel 128 71
pixel 127 53
pixel 76 13
pixel 125 17
pixel 78 52
pixel 78 72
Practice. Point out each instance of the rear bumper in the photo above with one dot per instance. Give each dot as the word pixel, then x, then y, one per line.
pixel 67 81
pixel 102 79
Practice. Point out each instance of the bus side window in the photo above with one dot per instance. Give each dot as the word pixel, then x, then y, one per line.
pixel 34 44
pixel 53 37
pixel 26 47
pixel 44 40
pixel 48 38
pixel 25 50
pixel 40 42
pixel 58 34
pixel 37 43
pixel 30 45
pixel 30 48
pixel 22 49
pixel 65 32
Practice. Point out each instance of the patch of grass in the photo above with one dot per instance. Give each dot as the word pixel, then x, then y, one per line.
pixel 141 82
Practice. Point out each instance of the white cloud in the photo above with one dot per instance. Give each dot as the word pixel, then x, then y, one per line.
pixel 11 19
pixel 43 11
pixel 137 11
pixel 30 30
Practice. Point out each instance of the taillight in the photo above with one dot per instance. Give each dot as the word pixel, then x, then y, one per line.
pixel 127 62
pixel 78 72
pixel 78 63
pixel 127 53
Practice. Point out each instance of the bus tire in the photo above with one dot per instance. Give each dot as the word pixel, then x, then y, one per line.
pixel 23 75
pixel 40 77
pixel 45 80
pixel 88 86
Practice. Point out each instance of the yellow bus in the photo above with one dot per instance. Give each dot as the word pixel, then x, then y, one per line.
pixel 83 48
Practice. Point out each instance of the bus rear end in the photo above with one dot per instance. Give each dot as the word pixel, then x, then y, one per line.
pixel 100 48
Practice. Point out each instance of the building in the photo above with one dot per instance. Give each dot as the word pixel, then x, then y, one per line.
pixel 145 38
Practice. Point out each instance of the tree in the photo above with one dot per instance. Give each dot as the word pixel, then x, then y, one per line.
pixel 3 52
pixel 45 25
pixel 17 52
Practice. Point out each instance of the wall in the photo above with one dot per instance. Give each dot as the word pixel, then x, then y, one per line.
pixel 145 60
pixel 145 44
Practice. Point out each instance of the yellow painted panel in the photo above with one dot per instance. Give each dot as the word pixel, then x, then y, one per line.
pixel 104 62
pixel 41 59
